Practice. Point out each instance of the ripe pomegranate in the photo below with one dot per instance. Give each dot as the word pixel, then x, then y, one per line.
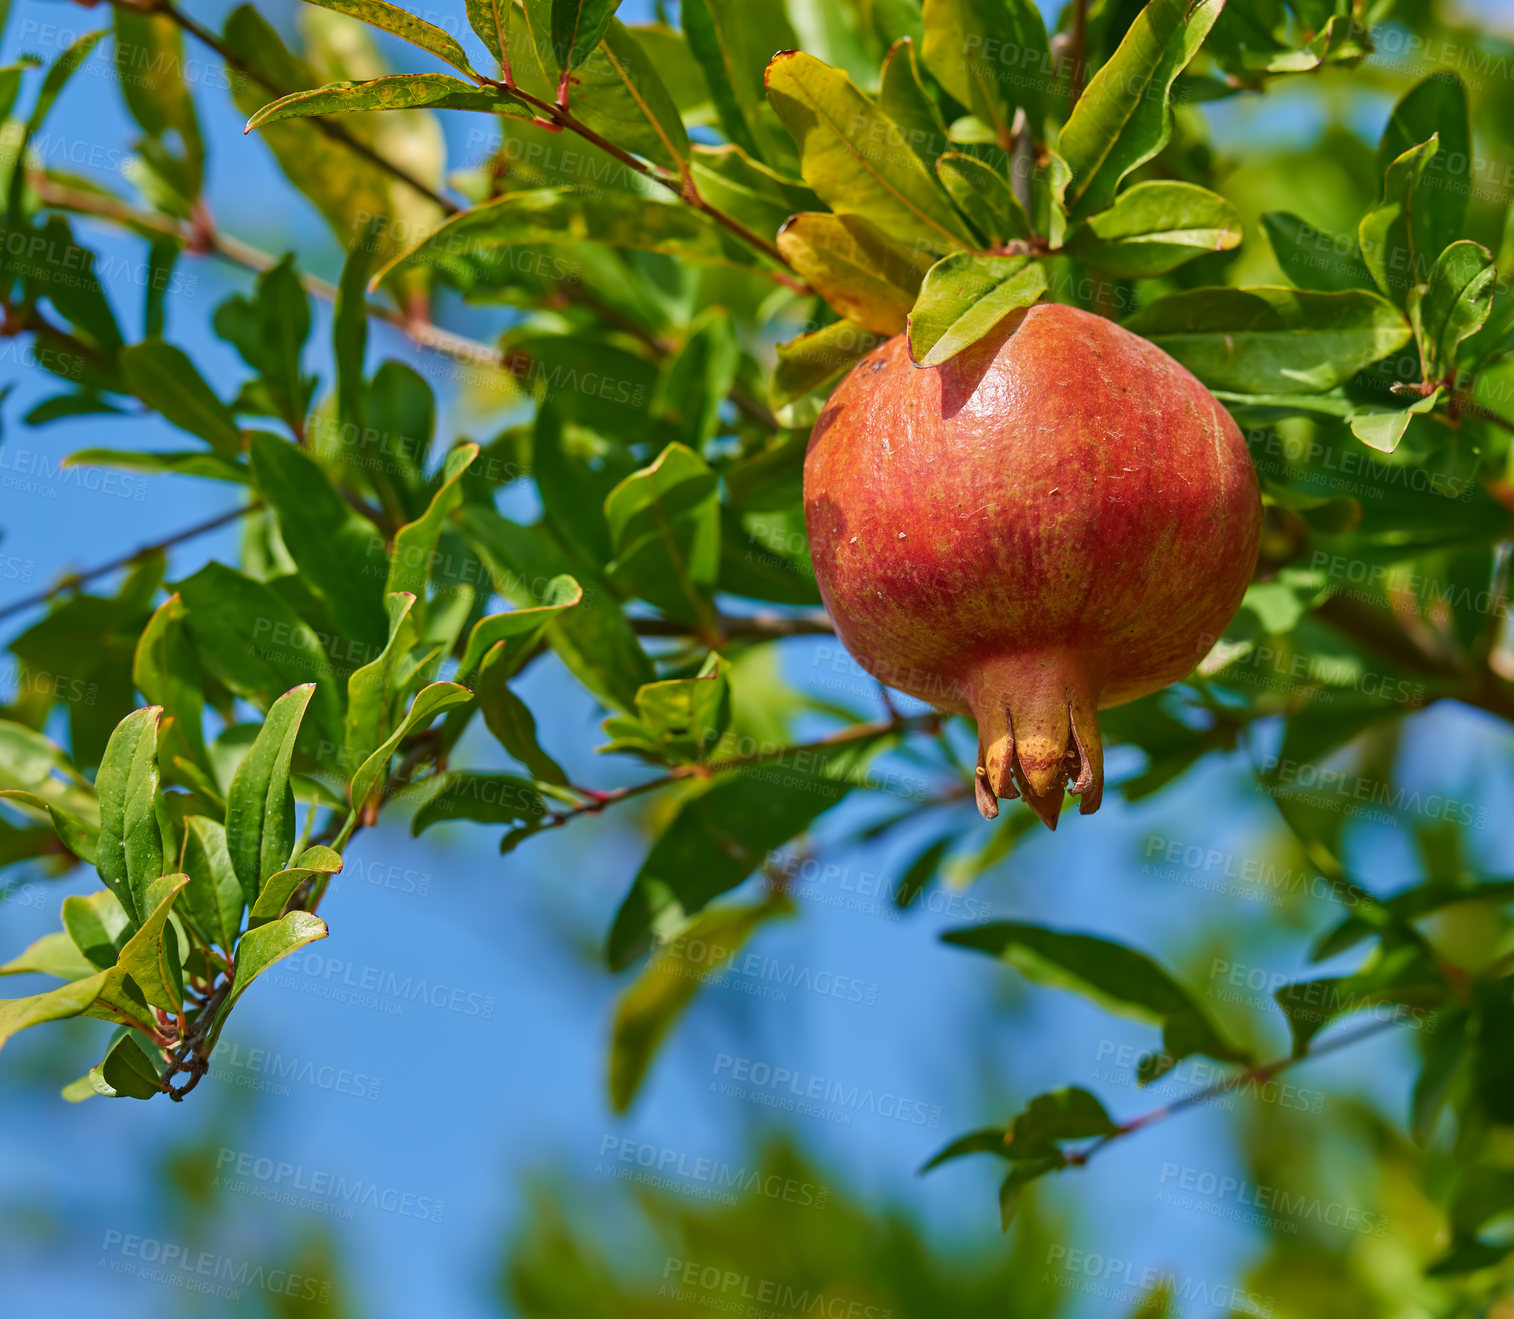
pixel 1056 521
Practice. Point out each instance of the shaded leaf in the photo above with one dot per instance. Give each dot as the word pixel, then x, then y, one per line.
pixel 1272 340
pixel 260 804
pixel 964 299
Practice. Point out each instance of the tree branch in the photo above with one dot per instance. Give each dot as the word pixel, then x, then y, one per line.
pixel 75 580
pixel 1265 1072
pixel 337 132
pixel 597 801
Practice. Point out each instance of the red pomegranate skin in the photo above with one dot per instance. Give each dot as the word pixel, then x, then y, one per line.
pixel 1058 520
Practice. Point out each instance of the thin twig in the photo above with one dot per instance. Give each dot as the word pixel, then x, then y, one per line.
pixel 73 581
pixel 597 801
pixel 1265 1072
pixel 337 132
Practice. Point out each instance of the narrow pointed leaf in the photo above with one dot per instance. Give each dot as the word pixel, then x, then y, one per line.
pixel 402 23
pixel 429 702
pixel 260 804
pixel 847 154
pixel 167 381
pixel 1153 228
pixel 963 300
pixel 129 855
pixel 1123 117
pixel 259 949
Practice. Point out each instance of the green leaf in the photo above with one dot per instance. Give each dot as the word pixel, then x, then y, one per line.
pixel 53 83
pixel 849 262
pixel 166 380
pixel 395 91
pixel 965 298
pixel 615 93
pixel 183 462
pixel 280 887
pixel 1400 974
pixel 1436 106
pixel 98 925
pixel 80 836
pixel 213 897
pixel 428 703
pixel 577 26
pixel 597 644
pixel 259 949
pixel 151 956
pixel 1123 117
pixel 340 554
pixel 157 94
pixel 511 722
pixel 1456 302
pixel 762 199
pixel 985 1140
pixel 53 954
pixel 402 23
pixel 269 331
pixel 258 646
pixel 1387 234
pixel 166 672
pixel 461 249
pixel 129 1072
pixel 1272 340
pixel 67 278
pixel 696 381
pixel 990 55
pixel 260 804
pixel 903 98
pixel 733 40
pixel 813 360
pixel 721 832
pixel 518 631
pixel 483 798
pixel 665 529
pixel 347 188
pixel 679 721
pixel 415 543
pixel 490 21
pixel 349 326
pixel 372 689
pixel 129 855
pixel 848 154
pixel 650 1007
pixel 984 197
pixel 1314 259
pixel 111 993
pixel 1410 904
pixel 650 108
pixel 1154 227
pixel 1111 974
pixel 1382 430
